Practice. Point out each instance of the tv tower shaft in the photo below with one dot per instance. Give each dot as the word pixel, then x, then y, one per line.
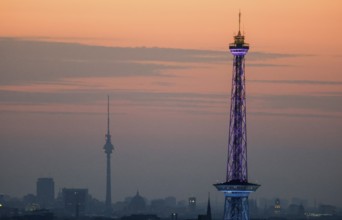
pixel 108 148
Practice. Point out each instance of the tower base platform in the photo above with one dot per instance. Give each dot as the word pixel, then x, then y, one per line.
pixel 236 187
pixel 236 198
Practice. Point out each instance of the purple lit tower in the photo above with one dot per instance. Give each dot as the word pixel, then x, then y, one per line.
pixel 108 148
pixel 237 188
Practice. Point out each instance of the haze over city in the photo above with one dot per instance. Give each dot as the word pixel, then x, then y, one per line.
pixel 167 70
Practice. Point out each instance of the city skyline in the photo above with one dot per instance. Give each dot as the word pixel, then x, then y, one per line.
pixel 167 69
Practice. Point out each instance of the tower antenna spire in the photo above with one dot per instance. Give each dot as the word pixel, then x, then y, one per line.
pixel 239 22
pixel 108 115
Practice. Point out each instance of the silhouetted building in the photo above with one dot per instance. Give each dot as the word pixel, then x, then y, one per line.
pixel 192 203
pixel 7 212
pixel 295 210
pixel 253 208
pixel 299 201
pixel 170 201
pixel 42 214
pixel 202 217
pixel 163 207
pixel 207 216
pixel 327 209
pixel 174 216
pixel 277 207
pixel 140 217
pixel 30 203
pixel 45 192
pixel 158 204
pixel 137 204
pixel 75 201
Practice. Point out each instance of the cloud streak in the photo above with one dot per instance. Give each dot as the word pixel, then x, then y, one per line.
pixel 298 82
pixel 26 61
pixel 323 103
pixel 202 103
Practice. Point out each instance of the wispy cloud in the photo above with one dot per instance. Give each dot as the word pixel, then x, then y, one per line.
pixel 136 97
pixel 33 60
pixel 323 103
pixel 293 115
pixel 268 65
pixel 36 62
pixel 307 82
pixel 262 56
pixel 202 103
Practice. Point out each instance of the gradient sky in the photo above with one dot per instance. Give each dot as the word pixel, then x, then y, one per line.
pixel 166 67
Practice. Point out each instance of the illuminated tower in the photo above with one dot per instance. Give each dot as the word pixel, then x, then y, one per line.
pixel 108 148
pixel 237 188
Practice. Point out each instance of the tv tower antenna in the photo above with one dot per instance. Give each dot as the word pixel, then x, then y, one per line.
pixel 239 22
pixel 236 188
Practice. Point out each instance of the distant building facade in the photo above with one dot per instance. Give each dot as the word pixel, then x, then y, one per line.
pixel 327 209
pixel 45 192
pixel 277 207
pixel 137 204
pixel 192 203
pixel 75 201
pixel 141 217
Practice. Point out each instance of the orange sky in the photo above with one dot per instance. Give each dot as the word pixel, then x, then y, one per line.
pixel 306 27
pixel 287 26
pixel 297 27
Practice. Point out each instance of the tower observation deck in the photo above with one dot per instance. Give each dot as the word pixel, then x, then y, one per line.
pixel 237 188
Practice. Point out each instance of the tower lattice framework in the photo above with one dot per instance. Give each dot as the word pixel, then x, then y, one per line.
pixel 237 188
pixel 237 142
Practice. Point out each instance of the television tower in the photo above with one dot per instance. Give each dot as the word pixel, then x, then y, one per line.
pixel 108 148
pixel 237 188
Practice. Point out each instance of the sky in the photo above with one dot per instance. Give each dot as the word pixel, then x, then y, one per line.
pixel 167 69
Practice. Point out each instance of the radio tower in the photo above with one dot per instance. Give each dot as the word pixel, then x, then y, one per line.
pixel 108 148
pixel 237 188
